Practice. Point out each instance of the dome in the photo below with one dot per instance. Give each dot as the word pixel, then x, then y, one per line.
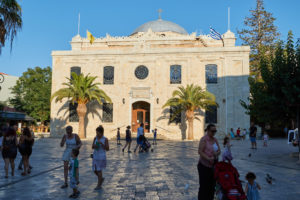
pixel 160 26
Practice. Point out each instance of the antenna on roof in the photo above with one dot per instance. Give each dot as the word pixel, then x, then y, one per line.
pixel 159 13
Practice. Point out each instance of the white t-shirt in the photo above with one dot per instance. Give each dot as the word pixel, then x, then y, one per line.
pixel 215 146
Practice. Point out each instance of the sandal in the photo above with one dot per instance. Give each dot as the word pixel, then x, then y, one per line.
pixel 23 174
pixel 102 181
pixel 97 188
pixel 64 186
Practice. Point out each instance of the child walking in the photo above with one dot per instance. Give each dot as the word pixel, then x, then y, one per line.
pixel 266 138
pixel 128 140
pixel 74 173
pixel 252 187
pixel 154 136
pixel 227 156
pixel 118 137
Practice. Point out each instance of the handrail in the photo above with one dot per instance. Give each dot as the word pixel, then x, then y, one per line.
pixel 163 129
pixel 117 128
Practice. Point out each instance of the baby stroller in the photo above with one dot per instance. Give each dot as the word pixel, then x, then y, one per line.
pixel 229 186
pixel 145 144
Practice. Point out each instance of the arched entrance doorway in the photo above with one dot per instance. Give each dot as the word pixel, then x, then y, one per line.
pixel 140 114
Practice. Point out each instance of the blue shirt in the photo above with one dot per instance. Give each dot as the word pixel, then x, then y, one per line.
pixel 140 131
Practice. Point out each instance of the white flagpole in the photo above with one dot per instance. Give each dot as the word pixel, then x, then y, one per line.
pixel 78 23
pixel 228 18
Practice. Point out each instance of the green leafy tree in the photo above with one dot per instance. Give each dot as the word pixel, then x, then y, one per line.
pixel 32 93
pixel 189 100
pixel 10 21
pixel 275 98
pixel 260 34
pixel 82 90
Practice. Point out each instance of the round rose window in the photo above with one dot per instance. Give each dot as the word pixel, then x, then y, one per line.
pixel 141 72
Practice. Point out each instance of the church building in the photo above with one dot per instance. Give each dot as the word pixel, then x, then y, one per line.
pixel 139 72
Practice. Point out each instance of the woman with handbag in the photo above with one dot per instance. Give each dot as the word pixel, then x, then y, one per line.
pixel 72 141
pixel 25 149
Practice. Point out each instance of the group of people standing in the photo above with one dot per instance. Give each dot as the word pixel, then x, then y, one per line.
pixel 209 151
pixel 70 158
pixel 10 144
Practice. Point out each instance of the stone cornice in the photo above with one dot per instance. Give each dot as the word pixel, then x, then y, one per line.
pixel 236 49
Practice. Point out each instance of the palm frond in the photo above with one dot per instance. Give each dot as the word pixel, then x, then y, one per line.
pixel 191 97
pixel 81 89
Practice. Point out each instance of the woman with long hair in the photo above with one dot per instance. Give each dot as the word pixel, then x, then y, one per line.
pixel 72 141
pixel 9 151
pixel 100 146
pixel 25 148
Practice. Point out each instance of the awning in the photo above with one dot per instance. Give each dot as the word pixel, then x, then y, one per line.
pixel 15 116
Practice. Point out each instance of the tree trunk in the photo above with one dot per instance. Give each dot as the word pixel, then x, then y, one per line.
pixel 81 111
pixel 190 118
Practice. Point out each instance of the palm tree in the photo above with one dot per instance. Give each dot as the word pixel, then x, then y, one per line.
pixel 82 90
pixel 190 100
pixel 10 20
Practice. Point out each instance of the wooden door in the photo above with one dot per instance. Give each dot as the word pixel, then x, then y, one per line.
pixel 140 116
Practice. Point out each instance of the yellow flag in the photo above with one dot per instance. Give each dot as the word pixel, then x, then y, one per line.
pixel 90 37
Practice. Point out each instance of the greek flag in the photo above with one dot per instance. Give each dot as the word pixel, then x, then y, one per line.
pixel 214 34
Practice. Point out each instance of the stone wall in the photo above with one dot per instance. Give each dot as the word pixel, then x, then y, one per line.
pixel 233 70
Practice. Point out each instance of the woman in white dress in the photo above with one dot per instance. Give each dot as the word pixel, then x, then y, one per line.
pixel 100 146
pixel 72 141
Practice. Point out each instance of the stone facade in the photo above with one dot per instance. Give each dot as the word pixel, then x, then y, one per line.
pixel 157 51
pixel 6 83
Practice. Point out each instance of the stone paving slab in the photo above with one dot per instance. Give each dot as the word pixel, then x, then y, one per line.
pixel 162 174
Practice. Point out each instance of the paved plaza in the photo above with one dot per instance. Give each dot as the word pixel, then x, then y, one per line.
pixel 162 174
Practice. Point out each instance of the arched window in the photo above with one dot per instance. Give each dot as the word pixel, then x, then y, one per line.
pixel 175 115
pixel 175 74
pixel 211 73
pixel 108 75
pixel 107 115
pixel 77 70
pixel 73 116
pixel 211 115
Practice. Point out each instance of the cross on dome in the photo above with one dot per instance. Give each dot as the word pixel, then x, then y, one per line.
pixel 159 13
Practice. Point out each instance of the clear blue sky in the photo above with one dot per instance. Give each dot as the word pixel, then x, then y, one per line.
pixel 50 24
